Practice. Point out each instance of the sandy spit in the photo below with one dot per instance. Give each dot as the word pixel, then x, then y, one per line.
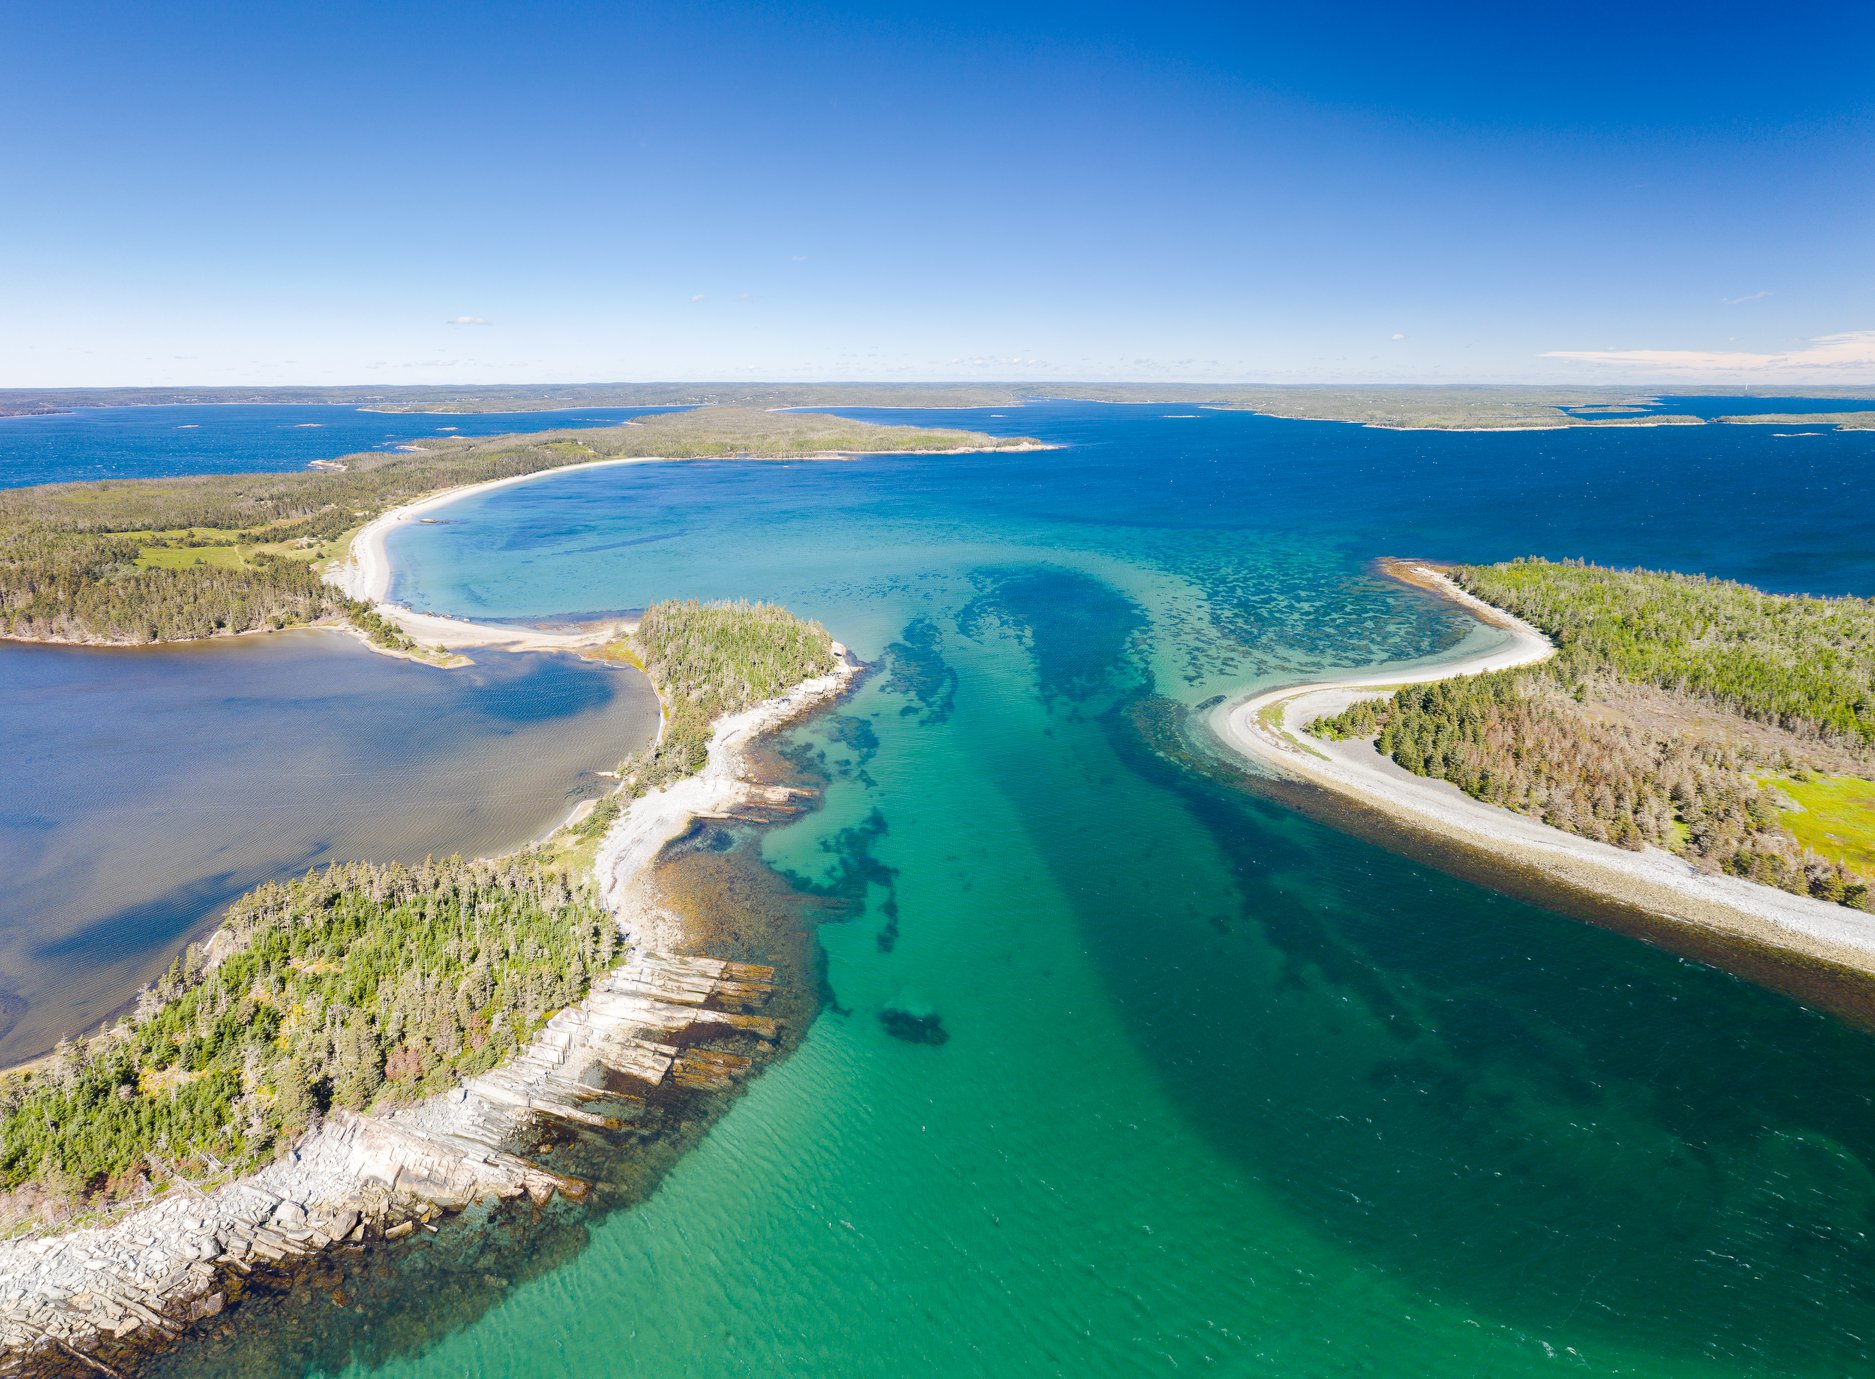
pixel 1269 729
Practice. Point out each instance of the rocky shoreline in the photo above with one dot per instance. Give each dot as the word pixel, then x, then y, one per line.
pixel 100 1299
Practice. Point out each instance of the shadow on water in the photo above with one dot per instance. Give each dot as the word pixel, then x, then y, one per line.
pixel 1521 1111
pixel 161 920
pixel 1511 1111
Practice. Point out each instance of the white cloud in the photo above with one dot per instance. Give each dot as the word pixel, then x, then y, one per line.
pixel 467 321
pixel 696 296
pixel 1748 297
pixel 1399 335
pixel 1848 352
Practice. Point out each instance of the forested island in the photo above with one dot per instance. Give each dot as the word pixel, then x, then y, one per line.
pixel 365 987
pixel 1447 407
pixel 1842 421
pixel 1733 727
pixel 145 560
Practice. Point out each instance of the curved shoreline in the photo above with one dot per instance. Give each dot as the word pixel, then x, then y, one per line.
pixel 140 1282
pixel 111 1294
pixel 1269 729
pixel 364 572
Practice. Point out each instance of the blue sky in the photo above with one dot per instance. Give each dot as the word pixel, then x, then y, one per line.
pixel 407 193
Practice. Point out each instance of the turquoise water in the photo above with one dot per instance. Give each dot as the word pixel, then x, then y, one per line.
pixel 158 442
pixel 1225 1090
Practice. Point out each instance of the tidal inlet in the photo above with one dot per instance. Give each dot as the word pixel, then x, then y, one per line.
pixel 1228 729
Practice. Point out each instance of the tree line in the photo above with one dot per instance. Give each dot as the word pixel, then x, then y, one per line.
pixel 73 557
pixel 1551 740
pixel 365 986
pixel 357 985
pixel 708 660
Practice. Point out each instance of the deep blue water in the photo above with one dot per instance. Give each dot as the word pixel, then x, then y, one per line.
pixel 1719 405
pixel 155 442
pixel 1227 1090
pixel 1739 502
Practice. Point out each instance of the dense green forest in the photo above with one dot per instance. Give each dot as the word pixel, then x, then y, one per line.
pixel 365 986
pixel 353 986
pixel 707 660
pixel 1672 698
pixel 1844 421
pixel 128 561
pixel 1805 664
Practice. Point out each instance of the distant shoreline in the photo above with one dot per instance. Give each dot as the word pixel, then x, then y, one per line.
pixel 1269 728
pixel 1517 408
pixel 364 572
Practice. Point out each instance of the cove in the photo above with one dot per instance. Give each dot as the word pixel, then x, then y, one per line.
pixel 1225 1089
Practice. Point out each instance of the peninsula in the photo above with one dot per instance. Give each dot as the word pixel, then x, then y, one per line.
pixel 1691 747
pixel 129 562
pixel 357 1051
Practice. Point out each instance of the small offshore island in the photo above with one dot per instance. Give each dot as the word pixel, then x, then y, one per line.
pixel 1688 747
pixel 357 1050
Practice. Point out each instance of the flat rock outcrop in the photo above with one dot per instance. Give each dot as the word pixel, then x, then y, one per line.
pixel 96 1299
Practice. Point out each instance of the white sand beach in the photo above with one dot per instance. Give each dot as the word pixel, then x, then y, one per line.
pixel 1270 729
pixel 365 574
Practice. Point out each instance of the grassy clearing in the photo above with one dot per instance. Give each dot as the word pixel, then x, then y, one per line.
pixel 182 557
pixel 1835 817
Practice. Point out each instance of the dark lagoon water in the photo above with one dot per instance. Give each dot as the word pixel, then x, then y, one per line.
pixel 155 442
pixel 146 788
pixel 1226 1090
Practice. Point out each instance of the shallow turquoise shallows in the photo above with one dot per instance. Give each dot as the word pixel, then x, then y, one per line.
pixel 1225 1091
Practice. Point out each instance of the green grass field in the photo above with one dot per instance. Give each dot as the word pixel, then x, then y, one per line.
pixel 164 551
pixel 182 557
pixel 1836 817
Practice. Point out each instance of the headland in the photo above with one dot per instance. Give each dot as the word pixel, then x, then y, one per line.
pixel 1271 728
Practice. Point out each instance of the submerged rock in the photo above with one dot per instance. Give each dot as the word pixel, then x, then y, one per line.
pixel 912 1027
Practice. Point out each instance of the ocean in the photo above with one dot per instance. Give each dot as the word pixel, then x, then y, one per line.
pixel 1224 1089
pixel 159 442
